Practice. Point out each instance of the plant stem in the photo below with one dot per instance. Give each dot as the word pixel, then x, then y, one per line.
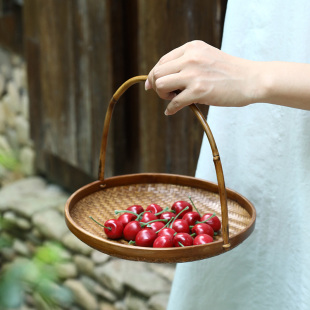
pixel 109 228
pixel 125 211
pixel 209 218
pixel 178 216
pixel 194 206
pixel 140 215
pixel 165 225
pixel 158 220
pixel 159 213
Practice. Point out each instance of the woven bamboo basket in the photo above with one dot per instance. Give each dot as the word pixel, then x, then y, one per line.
pixel 101 198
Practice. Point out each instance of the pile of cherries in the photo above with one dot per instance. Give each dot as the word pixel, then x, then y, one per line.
pixel 163 228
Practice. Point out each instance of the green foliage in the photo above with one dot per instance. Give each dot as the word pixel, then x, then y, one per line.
pixel 36 276
pixel 8 161
pixel 5 240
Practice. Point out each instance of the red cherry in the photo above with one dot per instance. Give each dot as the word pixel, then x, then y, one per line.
pixel 191 218
pixel 203 228
pixel 125 218
pixel 178 206
pixel 167 215
pixel 214 222
pixel 167 232
pixel 154 208
pixel 136 209
pixel 180 226
pixel 202 239
pixel 156 225
pixel 131 230
pixel 163 242
pixel 182 238
pixel 148 216
pixel 145 237
pixel 113 228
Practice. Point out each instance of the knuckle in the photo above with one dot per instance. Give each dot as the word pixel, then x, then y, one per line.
pixel 199 87
pixel 162 60
pixel 156 74
pixel 196 44
pixel 159 84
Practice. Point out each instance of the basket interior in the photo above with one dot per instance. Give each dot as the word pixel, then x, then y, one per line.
pixel 102 204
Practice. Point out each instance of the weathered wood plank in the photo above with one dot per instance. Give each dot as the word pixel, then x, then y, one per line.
pixel 70 68
pixel 78 53
pixel 164 25
pixel 11 26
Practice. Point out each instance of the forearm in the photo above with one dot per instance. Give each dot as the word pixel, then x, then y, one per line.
pixel 197 72
pixel 286 84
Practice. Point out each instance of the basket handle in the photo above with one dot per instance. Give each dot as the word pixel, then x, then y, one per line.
pixel 203 122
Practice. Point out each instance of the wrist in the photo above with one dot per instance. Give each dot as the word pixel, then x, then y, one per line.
pixel 261 82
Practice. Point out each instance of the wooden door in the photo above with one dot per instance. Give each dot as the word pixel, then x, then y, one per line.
pixel 78 52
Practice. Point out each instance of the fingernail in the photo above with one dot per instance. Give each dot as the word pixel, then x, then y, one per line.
pixel 166 112
pixel 147 85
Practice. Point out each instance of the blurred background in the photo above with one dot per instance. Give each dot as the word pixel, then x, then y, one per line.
pixel 60 63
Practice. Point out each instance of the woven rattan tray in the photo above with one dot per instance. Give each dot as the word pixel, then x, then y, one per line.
pixel 100 198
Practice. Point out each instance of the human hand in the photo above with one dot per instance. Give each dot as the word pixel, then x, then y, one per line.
pixel 199 73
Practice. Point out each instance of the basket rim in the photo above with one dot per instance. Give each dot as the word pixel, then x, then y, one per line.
pixel 149 178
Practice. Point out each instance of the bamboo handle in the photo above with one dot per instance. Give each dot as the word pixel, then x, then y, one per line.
pixel 203 122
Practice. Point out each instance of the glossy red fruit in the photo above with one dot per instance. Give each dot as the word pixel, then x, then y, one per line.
pixel 131 229
pixel 167 232
pixel 167 215
pixel 146 237
pixel 182 238
pixel 147 217
pixel 191 218
pixel 154 208
pixel 202 239
pixel 136 208
pixel 113 229
pixel 163 242
pixel 125 218
pixel 203 228
pixel 214 222
pixel 178 206
pixel 180 226
pixel 156 225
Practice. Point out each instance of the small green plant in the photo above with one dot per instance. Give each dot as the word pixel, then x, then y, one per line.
pixel 36 277
pixel 8 161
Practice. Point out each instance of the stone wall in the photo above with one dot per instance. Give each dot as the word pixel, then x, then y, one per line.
pixel 35 209
pixel 15 139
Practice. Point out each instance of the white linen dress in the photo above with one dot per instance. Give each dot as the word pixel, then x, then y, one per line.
pixel 265 153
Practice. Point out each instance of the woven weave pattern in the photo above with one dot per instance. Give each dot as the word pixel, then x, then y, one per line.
pixel 102 204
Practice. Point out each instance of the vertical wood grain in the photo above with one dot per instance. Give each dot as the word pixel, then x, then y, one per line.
pixel 163 26
pixel 78 53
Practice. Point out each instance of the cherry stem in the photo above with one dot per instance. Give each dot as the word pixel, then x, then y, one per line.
pixel 181 244
pixel 125 211
pixel 165 210
pixel 186 208
pixel 209 218
pixel 158 220
pixel 132 242
pixel 193 234
pixel 140 215
pixel 109 228
pixel 165 225
pixel 194 206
